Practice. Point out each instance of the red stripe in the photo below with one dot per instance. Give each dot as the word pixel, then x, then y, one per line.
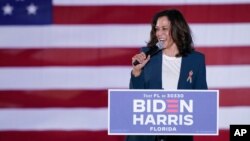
pixel 84 136
pixel 235 97
pixel 172 110
pixel 143 14
pixel 95 98
pixel 108 56
pixel 172 101
pixel 53 98
pixel 226 55
pixel 58 136
pixel 172 105
pixel 60 57
pixel 223 136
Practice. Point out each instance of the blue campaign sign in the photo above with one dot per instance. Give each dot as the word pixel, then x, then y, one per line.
pixel 161 112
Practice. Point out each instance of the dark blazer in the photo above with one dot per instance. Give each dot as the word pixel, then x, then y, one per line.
pixel 151 78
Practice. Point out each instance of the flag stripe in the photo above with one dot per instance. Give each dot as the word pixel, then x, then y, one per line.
pixel 145 2
pixel 108 56
pixel 223 136
pixel 230 115
pixel 91 119
pixel 234 97
pixel 96 98
pixel 228 76
pixel 41 78
pixel 95 119
pixel 78 56
pixel 54 98
pixel 226 55
pixel 127 14
pixel 102 36
pixel 59 135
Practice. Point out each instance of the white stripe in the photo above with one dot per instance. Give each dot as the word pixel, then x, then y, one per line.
pixel 145 2
pixel 89 119
pixel 64 77
pixel 54 119
pixel 221 34
pixel 98 36
pixel 233 76
pixel 228 76
pixel 234 115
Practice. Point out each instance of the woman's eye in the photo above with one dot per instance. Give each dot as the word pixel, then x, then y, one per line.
pixel 165 29
pixel 162 29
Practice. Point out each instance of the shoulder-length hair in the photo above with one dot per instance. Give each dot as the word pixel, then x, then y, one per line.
pixel 180 31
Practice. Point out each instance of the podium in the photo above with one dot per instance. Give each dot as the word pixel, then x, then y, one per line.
pixel 162 112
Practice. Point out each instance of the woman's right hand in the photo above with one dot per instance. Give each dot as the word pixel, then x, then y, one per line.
pixel 142 59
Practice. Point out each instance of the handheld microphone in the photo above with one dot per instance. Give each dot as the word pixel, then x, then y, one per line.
pixel 152 51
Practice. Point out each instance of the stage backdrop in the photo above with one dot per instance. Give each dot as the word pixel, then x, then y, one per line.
pixel 58 58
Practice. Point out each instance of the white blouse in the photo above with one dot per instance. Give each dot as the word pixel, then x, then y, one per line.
pixel 171 67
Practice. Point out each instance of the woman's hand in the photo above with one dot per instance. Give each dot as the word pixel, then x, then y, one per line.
pixel 142 59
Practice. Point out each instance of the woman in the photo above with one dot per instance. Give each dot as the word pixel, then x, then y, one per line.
pixel 176 66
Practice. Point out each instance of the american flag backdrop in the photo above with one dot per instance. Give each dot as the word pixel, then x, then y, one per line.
pixel 59 57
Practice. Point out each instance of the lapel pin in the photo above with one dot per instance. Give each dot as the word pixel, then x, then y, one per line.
pixel 190 74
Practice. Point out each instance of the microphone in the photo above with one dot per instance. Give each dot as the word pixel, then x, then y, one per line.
pixel 152 51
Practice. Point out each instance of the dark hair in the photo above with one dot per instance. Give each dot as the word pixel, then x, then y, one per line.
pixel 180 31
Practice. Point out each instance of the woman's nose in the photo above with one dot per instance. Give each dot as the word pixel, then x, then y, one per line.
pixel 159 32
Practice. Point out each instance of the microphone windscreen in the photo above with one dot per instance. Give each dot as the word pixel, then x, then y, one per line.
pixel 160 44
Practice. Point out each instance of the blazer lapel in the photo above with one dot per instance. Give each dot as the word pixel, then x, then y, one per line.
pixel 159 70
pixel 183 66
pixel 154 72
pixel 184 72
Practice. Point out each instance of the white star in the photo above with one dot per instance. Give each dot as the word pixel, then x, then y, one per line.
pixel 31 9
pixel 7 9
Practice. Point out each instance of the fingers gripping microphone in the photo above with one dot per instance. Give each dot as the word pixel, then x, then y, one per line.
pixel 152 51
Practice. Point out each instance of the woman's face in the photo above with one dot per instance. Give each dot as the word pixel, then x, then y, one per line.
pixel 163 31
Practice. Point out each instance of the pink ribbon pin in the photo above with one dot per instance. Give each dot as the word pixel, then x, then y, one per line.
pixel 190 74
